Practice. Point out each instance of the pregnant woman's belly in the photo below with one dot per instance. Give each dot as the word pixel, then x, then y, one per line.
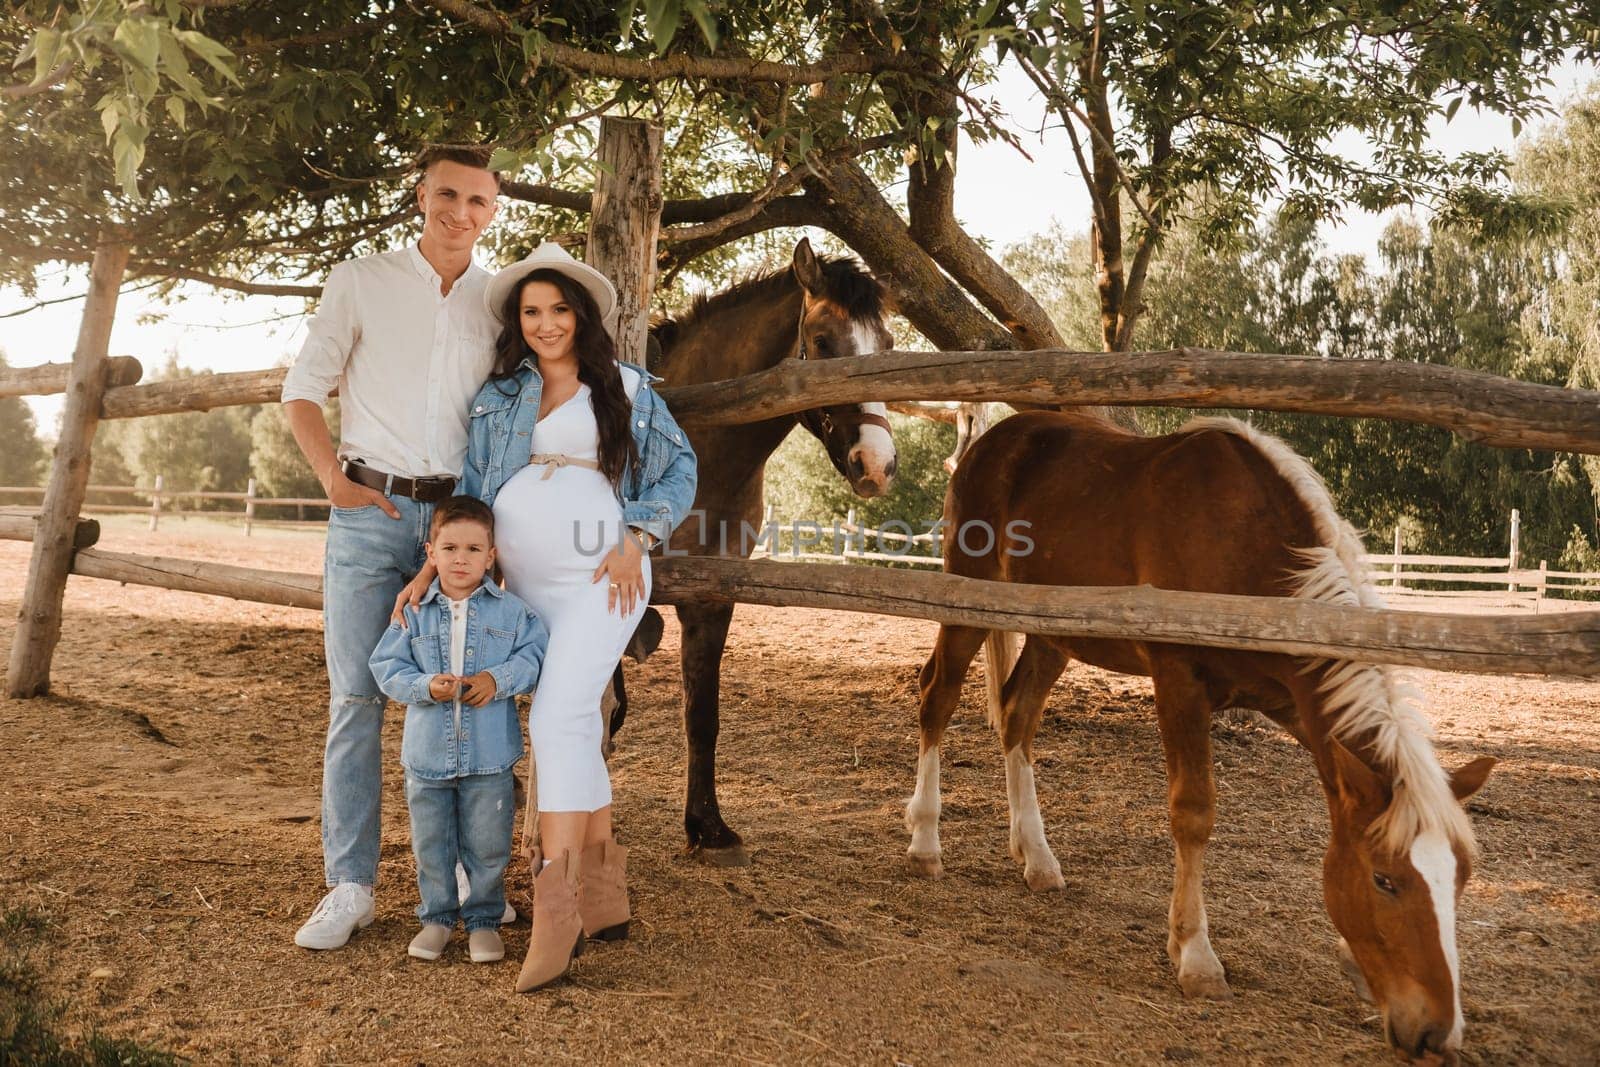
pixel 552 531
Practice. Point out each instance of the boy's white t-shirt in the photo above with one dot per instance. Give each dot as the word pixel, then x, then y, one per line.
pixel 458 641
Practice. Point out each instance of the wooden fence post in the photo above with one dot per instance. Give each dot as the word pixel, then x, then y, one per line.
pixel 155 506
pixel 1544 583
pixel 624 222
pixel 1395 568
pixel 249 504
pixel 39 621
pixel 1516 539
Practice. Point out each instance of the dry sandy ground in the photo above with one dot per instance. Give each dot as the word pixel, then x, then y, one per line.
pixel 161 809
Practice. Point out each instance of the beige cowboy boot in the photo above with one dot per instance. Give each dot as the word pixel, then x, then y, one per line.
pixel 603 896
pixel 557 931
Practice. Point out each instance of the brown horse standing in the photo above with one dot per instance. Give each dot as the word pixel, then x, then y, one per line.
pixel 819 309
pixel 1221 508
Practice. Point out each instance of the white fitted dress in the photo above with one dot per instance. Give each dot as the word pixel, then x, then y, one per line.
pixel 552 524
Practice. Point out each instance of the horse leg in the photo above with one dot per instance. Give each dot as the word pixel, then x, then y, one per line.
pixel 941 690
pixel 705 632
pixel 1183 710
pixel 1022 705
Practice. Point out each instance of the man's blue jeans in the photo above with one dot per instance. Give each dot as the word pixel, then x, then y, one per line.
pixel 466 819
pixel 369 559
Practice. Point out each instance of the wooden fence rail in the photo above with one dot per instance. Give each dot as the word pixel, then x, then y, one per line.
pixel 157 495
pixel 1481 407
pixel 1564 645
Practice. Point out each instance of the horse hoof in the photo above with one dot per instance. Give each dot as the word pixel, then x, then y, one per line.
pixel 925 866
pixel 728 856
pixel 1044 881
pixel 1205 987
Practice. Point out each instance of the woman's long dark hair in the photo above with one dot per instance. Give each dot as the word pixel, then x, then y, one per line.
pixel 597 366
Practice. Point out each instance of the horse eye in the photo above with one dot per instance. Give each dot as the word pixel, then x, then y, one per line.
pixel 1385 884
pixel 822 344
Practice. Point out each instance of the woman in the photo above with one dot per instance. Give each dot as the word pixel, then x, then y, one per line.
pixel 586 472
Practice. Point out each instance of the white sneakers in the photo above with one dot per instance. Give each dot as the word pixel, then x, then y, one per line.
pixel 483 946
pixel 430 942
pixel 347 908
pixel 507 917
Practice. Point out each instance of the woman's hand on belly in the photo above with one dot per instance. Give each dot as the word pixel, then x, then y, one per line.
pixel 624 569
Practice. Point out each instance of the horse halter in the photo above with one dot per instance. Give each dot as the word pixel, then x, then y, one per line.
pixel 854 417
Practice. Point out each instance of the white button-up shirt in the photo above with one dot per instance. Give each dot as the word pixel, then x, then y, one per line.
pixel 407 361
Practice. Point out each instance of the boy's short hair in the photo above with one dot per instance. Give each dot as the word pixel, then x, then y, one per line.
pixel 462 509
pixel 468 155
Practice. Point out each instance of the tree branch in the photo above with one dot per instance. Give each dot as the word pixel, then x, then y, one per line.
pixel 785 211
pixel 236 285
pixel 51 80
pixel 661 68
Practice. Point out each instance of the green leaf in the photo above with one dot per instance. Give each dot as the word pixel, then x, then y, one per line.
pixel 210 51
pixel 110 117
pixel 127 151
pixel 704 19
pixel 179 114
pixel 1450 110
pixel 661 22
pixel 44 48
pixel 503 159
pixel 139 41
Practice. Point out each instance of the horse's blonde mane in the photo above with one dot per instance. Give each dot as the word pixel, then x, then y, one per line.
pixel 1377 704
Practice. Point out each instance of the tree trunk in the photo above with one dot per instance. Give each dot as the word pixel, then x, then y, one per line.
pixel 625 220
pixel 39 621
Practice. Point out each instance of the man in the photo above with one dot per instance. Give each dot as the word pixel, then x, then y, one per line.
pixel 407 340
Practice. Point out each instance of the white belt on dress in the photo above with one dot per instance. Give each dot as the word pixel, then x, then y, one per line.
pixel 554 460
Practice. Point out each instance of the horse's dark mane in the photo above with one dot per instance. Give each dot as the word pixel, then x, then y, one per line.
pixel 848 284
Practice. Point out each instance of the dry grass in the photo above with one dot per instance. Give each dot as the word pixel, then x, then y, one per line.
pixel 161 808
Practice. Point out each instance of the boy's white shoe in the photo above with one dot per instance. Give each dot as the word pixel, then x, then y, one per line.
pixel 347 908
pixel 464 888
pixel 485 946
pixel 430 942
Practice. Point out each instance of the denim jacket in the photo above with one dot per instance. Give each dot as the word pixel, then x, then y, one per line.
pixel 504 637
pixel 657 492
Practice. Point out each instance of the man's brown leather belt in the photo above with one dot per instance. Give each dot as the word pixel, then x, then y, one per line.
pixel 424 490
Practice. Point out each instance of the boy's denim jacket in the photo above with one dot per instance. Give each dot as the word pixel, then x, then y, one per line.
pixel 504 637
pixel 657 492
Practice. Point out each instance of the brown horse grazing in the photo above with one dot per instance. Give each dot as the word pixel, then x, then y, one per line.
pixel 1220 508
pixel 819 309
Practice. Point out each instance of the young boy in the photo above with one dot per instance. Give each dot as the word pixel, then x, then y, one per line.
pixel 460 657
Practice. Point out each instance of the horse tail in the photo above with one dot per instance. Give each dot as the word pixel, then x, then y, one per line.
pixel 999 656
pixel 1378 704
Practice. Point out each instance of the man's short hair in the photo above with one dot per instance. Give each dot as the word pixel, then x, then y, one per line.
pixel 468 155
pixel 462 509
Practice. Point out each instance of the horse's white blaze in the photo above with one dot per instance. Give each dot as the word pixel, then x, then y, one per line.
pixel 874 446
pixel 1434 859
pixel 922 813
pixel 1027 825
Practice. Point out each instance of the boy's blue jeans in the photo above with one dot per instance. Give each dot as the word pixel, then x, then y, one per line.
pixel 369 558
pixel 469 819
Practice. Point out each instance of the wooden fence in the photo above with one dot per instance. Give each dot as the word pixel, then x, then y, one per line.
pixel 158 496
pixel 1564 644
pixel 1407 579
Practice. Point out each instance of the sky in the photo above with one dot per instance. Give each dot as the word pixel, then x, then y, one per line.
pixel 209 331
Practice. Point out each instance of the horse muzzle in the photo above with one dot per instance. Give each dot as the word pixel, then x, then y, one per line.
pixel 1423 1041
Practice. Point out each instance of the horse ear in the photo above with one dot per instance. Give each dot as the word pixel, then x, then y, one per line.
pixel 1465 781
pixel 1362 791
pixel 806 269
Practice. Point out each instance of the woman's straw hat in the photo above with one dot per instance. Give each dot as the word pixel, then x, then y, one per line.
pixel 550 256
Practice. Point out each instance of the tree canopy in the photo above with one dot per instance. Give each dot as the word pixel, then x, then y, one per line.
pixel 237 141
